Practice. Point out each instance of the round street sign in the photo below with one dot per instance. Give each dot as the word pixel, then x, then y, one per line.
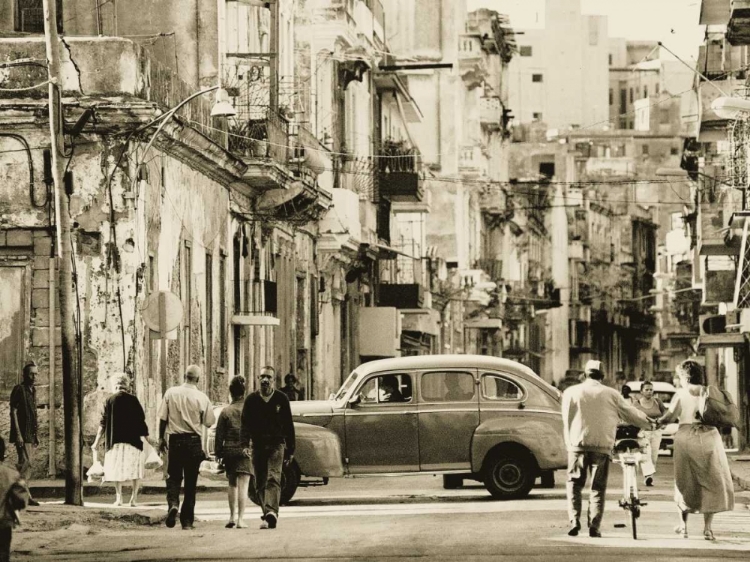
pixel 163 311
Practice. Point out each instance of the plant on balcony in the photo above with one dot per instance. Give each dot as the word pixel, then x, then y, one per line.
pixel 397 156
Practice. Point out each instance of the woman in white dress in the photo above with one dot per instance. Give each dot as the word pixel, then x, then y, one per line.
pixel 124 425
pixel 703 482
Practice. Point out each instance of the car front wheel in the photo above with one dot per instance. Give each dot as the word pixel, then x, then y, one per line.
pixel 290 478
pixel 509 475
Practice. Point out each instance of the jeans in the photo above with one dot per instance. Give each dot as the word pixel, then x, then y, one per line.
pixel 267 464
pixel 579 465
pixel 184 458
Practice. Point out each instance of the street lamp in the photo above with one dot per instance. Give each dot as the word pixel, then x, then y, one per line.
pixel 730 108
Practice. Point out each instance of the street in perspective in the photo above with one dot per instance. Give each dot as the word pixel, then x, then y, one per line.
pixel 374 280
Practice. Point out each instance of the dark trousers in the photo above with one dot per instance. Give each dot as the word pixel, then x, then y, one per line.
pixel 579 465
pixel 25 454
pixel 267 464
pixel 5 537
pixel 185 457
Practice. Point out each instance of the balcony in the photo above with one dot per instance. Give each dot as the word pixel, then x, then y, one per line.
pixel 491 113
pixel 738 29
pixel 401 295
pixel 610 167
pixel 399 173
pixel 492 267
pixel 265 294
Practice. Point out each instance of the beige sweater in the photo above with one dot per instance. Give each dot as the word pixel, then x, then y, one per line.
pixel 591 412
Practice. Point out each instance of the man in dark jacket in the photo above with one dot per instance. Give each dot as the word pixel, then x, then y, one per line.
pixel 267 426
pixel 23 422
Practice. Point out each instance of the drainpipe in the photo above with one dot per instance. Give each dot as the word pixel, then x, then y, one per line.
pixel 52 471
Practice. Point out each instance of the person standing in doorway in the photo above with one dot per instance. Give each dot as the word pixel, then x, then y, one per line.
pixel 23 422
pixel 268 435
pixel 184 410
pixel 591 412
pixel 291 389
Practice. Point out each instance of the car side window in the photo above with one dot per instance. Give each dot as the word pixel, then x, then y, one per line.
pixel 448 386
pixel 390 388
pixel 496 387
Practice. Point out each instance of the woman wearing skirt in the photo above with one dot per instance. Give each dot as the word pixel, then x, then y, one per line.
pixel 703 482
pixel 124 426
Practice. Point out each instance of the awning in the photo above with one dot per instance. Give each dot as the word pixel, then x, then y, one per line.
pixel 484 323
pixel 386 252
pixel 731 339
pixel 421 320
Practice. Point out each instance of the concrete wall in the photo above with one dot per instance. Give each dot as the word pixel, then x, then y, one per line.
pixel 571 53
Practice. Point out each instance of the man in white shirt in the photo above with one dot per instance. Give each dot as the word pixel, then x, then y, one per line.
pixel 184 411
pixel 591 412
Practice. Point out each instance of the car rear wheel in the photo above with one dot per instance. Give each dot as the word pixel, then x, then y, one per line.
pixel 509 475
pixel 452 481
pixel 290 478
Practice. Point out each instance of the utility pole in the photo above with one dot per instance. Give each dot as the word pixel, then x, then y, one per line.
pixel 274 62
pixel 71 384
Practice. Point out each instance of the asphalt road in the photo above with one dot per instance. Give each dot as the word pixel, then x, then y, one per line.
pixel 408 518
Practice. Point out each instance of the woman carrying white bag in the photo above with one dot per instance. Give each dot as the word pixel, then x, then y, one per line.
pixel 124 425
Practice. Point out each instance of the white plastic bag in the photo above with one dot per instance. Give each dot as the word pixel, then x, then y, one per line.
pixel 153 460
pixel 97 469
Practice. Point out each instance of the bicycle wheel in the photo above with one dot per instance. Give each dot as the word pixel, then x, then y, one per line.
pixel 635 512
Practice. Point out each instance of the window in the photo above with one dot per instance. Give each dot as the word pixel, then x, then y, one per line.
pixel 644 150
pixel 495 387
pixel 631 95
pixel 656 89
pixel 187 284
pixel 537 115
pixel 525 51
pixel 385 389
pixel 29 16
pixel 222 309
pixel 209 319
pixel 611 96
pixel 447 386
pixel 152 282
pixel 674 151
pixel 645 91
pixel 610 59
pixel 536 78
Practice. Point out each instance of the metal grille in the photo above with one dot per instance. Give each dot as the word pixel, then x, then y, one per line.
pixel 743 286
pixel 739 130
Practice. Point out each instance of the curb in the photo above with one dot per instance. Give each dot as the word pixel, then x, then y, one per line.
pixel 49 491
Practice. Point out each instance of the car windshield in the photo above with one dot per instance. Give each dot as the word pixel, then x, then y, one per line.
pixel 346 386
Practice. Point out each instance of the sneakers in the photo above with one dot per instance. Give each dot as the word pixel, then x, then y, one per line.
pixel 595 533
pixel 574 528
pixel 649 481
pixel 171 517
pixel 271 520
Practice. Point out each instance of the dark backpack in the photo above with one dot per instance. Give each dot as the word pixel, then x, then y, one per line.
pixel 719 411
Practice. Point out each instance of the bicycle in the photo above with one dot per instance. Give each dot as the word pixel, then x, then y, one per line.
pixel 629 457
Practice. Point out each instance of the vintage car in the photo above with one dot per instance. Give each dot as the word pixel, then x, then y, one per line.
pixel 664 391
pixel 462 416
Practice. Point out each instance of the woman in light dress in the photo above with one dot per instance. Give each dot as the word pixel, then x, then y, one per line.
pixel 703 482
pixel 124 425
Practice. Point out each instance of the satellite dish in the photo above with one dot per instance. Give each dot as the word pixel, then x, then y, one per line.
pixel 163 311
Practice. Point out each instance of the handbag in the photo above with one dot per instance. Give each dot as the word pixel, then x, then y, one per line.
pixel 717 409
pixel 96 470
pixel 153 460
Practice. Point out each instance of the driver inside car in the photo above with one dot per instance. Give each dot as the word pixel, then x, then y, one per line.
pixel 389 391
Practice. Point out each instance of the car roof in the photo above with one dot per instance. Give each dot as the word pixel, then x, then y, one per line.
pixel 659 386
pixel 451 361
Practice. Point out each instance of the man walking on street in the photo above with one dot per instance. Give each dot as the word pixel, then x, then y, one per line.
pixel 267 426
pixel 591 412
pixel 183 411
pixel 23 422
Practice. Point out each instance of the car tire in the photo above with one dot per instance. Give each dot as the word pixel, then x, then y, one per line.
pixel 452 481
pixel 290 478
pixel 509 475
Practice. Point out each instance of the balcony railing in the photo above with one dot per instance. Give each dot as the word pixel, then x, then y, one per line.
pixel 399 172
pixel 493 267
pixel 264 137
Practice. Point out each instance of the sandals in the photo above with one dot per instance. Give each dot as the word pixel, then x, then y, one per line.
pixel 682 530
pixel 708 534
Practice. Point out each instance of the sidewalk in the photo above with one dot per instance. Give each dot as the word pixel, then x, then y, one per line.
pixel 740 467
pixel 45 489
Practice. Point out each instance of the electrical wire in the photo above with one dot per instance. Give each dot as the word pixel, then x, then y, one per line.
pixel 26 89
